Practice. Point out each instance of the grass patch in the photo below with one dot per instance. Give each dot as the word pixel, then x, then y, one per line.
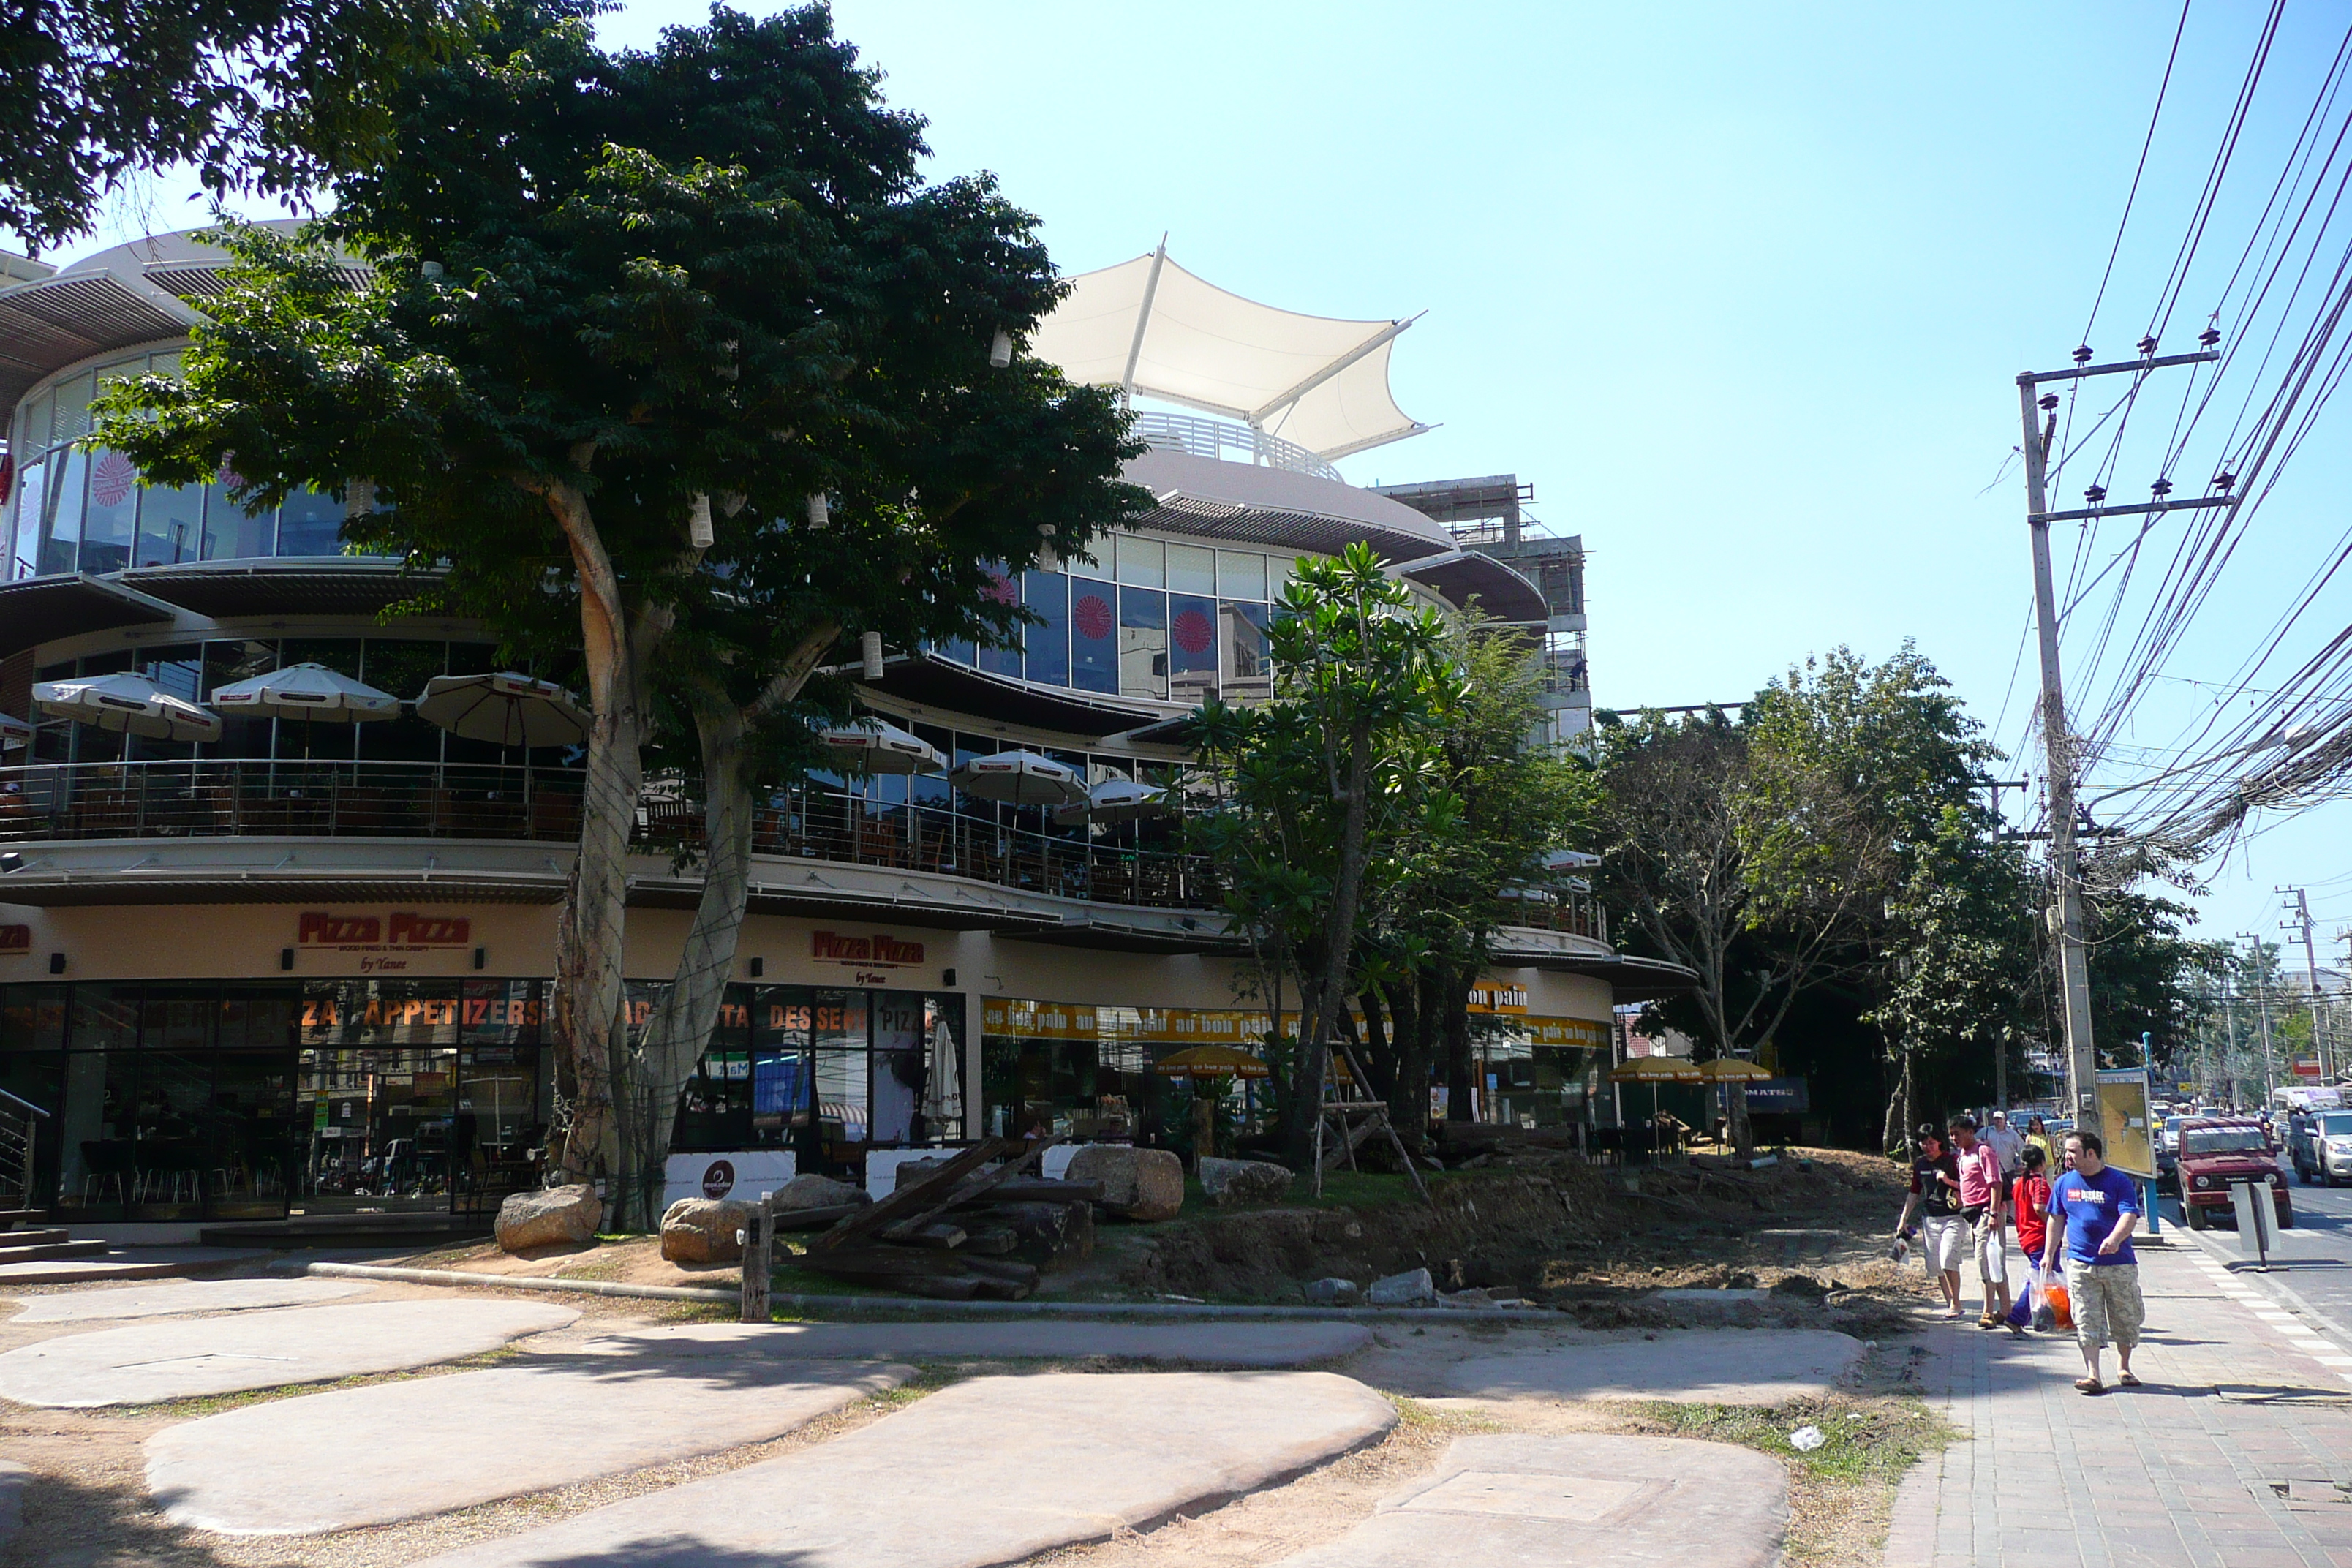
pixel 1362 1190
pixel 1412 1415
pixel 1864 1440
pixel 217 1404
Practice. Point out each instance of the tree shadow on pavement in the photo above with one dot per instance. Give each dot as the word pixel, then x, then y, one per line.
pixel 75 1523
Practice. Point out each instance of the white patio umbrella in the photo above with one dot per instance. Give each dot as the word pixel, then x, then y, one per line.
pixel 504 709
pixel 1022 778
pixel 127 703
pixel 307 691
pixel 14 733
pixel 1115 800
pixel 872 746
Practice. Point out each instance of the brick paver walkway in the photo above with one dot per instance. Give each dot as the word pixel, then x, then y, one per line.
pixel 2241 1398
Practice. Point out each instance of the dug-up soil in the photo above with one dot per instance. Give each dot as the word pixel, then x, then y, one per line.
pixel 1598 1241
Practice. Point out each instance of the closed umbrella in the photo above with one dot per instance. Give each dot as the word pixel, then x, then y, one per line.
pixel 1022 778
pixel 1115 800
pixel 310 692
pixel 128 704
pixel 872 746
pixel 504 709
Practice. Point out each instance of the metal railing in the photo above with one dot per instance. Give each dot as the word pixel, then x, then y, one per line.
pixel 821 824
pixel 1571 910
pixel 244 797
pixel 1199 438
pixel 228 798
pixel 17 1139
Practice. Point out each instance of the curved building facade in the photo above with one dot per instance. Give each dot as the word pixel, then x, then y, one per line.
pixel 286 966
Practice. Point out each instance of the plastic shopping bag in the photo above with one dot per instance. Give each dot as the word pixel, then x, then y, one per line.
pixel 2021 1311
pixel 2061 1309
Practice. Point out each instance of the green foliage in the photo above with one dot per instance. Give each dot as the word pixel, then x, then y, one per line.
pixel 261 95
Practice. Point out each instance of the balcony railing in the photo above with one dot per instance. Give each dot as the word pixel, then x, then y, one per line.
pixel 1228 442
pixel 1571 909
pixel 46 801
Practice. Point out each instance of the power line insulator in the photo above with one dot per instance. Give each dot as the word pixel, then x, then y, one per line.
pixel 2160 488
pixel 2223 480
pixel 2049 400
pixel 2208 338
pixel 2083 354
pixel 2095 494
pixel 2146 347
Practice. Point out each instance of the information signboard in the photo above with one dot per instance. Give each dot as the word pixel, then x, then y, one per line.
pixel 2123 1120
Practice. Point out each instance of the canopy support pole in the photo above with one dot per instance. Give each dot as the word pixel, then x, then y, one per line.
pixel 1142 321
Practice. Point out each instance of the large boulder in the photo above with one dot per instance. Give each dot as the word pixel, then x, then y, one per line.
pixel 909 1172
pixel 704 1230
pixel 1232 1182
pixel 1137 1184
pixel 810 1191
pixel 549 1216
pixel 1414 1289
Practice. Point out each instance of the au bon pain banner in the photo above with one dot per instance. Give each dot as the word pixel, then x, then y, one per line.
pixel 1020 1018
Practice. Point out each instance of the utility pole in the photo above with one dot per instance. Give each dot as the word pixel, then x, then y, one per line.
pixel 2299 913
pixel 2057 741
pixel 2262 1011
pixel 2230 1024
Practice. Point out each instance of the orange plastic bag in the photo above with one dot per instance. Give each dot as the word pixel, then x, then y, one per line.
pixel 2055 1294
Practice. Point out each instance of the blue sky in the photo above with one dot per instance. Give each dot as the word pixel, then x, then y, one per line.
pixel 1742 289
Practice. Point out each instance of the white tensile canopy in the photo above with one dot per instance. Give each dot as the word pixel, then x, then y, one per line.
pixel 307 691
pixel 1021 778
pixel 130 704
pixel 1150 327
pixel 872 746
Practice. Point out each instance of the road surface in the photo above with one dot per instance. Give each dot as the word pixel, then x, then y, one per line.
pixel 2313 1259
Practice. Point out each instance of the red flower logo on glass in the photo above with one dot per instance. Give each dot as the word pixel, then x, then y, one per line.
pixel 1193 633
pixel 1001 589
pixel 1091 616
pixel 112 480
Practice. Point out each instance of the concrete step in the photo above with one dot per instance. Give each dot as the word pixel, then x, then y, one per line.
pixel 9 1218
pixel 41 1251
pixel 41 1238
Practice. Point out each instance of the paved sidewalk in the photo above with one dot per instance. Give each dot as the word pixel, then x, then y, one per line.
pixel 2241 1401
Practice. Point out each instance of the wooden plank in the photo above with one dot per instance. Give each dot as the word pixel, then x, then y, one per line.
pixel 917 1196
pixel 1346 1150
pixel 817 1219
pixel 1039 1190
pixel 980 1184
pixel 759 1233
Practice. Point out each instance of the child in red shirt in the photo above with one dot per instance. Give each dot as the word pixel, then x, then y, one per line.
pixel 2029 1202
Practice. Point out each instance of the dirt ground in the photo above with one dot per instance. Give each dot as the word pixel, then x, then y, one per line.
pixel 1596 1243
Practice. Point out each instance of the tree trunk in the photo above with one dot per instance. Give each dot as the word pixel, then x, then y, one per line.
pixel 1408 1096
pixel 1320 1011
pixel 1461 1067
pixel 688 1010
pixel 1735 1110
pixel 591 1032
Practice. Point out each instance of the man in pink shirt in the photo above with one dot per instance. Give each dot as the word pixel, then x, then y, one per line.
pixel 1980 1206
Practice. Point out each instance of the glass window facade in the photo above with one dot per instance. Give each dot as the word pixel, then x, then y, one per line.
pixel 1145 618
pixel 826 1072
pixel 76 511
pixel 250 1099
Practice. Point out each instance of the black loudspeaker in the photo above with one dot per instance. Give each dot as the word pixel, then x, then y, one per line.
pixel 759 967
pixel 482 958
pixel 947 976
pixel 57 963
pixel 285 958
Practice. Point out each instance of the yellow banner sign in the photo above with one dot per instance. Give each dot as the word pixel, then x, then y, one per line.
pixel 1018 1017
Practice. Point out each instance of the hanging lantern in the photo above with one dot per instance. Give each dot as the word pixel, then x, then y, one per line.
pixel 1000 350
pixel 819 512
pixel 870 646
pixel 699 532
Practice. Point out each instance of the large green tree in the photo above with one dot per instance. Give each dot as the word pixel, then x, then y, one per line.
pixel 681 339
pixel 1315 782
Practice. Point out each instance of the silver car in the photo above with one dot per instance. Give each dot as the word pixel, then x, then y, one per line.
pixel 2327 1152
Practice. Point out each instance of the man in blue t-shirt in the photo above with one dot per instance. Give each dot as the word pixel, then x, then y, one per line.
pixel 2093 1209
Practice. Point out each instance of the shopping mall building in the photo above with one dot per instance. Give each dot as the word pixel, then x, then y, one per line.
pixel 257 958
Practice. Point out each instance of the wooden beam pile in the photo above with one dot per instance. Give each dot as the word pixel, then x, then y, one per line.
pixel 975 1228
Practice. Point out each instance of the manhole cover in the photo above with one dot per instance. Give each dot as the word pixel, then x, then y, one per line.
pixel 1572 1500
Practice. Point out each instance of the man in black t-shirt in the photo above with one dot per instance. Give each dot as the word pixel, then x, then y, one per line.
pixel 1935 1199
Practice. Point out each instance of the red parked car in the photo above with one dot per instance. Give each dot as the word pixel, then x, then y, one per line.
pixel 2214 1153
